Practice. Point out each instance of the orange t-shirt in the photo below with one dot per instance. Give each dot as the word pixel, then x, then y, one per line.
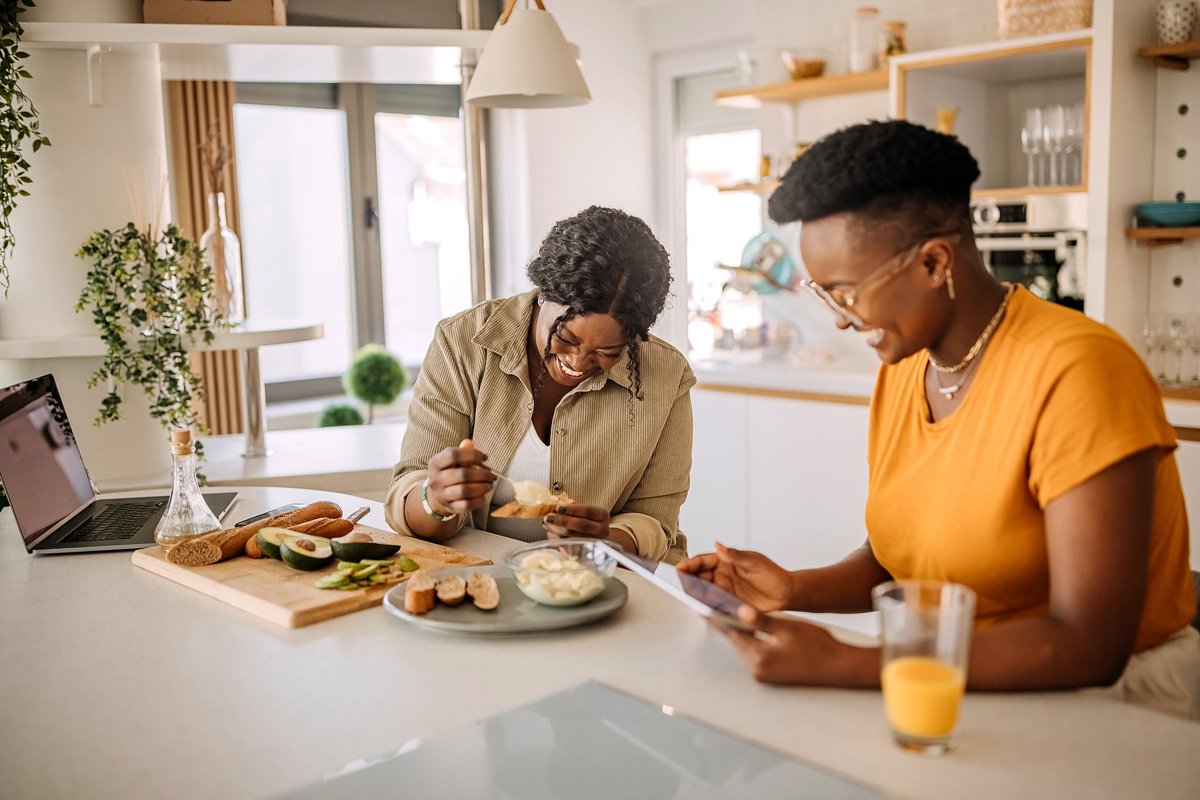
pixel 1057 399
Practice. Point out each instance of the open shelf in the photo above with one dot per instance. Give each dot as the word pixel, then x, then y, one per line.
pixel 251 333
pixel 1159 237
pixel 273 52
pixel 990 87
pixel 1171 56
pixel 758 187
pixel 1026 191
pixel 804 89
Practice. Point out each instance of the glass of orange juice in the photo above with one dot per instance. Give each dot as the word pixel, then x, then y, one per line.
pixel 926 642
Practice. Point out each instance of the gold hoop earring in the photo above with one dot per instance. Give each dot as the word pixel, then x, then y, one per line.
pixel 950 284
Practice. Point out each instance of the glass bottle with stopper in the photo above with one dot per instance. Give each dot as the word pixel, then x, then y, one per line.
pixel 187 515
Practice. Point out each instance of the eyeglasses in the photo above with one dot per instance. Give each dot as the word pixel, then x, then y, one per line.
pixel 842 302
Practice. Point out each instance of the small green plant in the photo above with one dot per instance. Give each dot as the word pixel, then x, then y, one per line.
pixel 375 377
pixel 18 126
pixel 148 295
pixel 339 414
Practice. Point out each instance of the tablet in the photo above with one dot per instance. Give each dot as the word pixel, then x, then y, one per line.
pixel 704 597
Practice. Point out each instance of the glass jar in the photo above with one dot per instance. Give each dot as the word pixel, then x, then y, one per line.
pixel 864 39
pixel 892 41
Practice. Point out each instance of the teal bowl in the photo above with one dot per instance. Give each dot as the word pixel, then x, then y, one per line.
pixel 1170 215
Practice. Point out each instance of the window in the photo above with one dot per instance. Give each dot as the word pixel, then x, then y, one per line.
pixel 721 148
pixel 353 212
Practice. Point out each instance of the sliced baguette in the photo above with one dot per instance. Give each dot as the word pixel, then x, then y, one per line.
pixel 452 590
pixel 484 591
pixel 420 593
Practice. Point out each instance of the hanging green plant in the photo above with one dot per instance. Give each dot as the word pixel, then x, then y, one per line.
pixel 148 296
pixel 18 126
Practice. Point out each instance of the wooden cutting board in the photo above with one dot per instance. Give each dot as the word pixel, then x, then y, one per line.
pixel 274 591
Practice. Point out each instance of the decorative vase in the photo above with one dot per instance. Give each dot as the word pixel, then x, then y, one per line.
pixel 1176 21
pixel 223 252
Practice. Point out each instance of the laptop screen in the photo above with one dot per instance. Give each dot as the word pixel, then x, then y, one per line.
pixel 40 464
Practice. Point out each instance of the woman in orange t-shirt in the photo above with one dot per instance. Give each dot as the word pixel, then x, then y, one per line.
pixel 1015 446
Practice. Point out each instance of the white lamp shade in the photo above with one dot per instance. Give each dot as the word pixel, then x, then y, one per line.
pixel 527 63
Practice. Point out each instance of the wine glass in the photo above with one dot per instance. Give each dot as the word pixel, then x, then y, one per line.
pixel 1073 145
pixel 1053 128
pixel 1177 335
pixel 1031 142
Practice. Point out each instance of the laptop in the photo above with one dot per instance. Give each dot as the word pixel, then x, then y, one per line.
pixel 53 499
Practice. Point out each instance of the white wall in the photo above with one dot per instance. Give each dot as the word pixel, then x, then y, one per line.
pixel 551 163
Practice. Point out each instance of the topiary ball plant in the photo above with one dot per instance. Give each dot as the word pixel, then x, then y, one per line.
pixel 375 377
pixel 340 414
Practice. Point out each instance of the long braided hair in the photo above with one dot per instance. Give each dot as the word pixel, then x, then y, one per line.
pixel 604 261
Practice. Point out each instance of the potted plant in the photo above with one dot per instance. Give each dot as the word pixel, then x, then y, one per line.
pixel 149 296
pixel 337 415
pixel 375 377
pixel 18 126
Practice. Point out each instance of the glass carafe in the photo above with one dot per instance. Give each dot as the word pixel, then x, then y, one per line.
pixel 187 515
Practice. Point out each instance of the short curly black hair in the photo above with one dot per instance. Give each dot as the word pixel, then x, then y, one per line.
pixel 605 261
pixel 892 172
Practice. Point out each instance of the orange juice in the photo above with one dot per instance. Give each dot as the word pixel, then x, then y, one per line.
pixel 921 695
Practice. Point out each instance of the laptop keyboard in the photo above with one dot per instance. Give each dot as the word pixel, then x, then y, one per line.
pixel 115 522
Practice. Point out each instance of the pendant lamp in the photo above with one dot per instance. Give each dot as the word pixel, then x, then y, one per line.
pixel 527 63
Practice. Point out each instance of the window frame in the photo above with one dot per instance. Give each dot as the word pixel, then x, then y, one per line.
pixel 359 103
pixel 672 171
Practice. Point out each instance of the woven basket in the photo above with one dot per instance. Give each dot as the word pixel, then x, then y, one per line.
pixel 1031 17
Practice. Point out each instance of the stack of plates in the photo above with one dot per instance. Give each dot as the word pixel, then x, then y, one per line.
pixel 1170 215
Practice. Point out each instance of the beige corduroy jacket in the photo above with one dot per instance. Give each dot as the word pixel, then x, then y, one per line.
pixel 631 457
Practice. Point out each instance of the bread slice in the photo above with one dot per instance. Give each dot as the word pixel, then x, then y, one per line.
pixel 452 590
pixel 522 511
pixel 420 593
pixel 484 592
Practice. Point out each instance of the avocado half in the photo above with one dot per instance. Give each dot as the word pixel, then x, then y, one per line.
pixel 358 551
pixel 305 552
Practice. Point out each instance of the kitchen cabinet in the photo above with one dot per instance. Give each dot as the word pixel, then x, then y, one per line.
pixel 716 506
pixel 784 476
pixel 807 480
pixel 991 86
pixel 1187 456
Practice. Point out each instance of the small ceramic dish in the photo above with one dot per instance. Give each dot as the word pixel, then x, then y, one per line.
pixel 1170 215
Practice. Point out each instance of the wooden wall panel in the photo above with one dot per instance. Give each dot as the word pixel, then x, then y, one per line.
pixel 194 109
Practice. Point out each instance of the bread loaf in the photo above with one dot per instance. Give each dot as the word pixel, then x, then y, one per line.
pixel 324 526
pixel 420 593
pixel 452 590
pixel 220 545
pixel 484 591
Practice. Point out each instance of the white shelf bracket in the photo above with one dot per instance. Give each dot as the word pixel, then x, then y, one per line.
pixel 95 75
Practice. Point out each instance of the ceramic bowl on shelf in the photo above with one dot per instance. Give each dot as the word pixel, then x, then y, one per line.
pixel 1170 215
pixel 801 64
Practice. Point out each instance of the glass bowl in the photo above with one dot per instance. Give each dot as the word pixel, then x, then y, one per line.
pixel 564 572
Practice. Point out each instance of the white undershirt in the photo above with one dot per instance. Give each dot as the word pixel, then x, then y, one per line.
pixel 531 462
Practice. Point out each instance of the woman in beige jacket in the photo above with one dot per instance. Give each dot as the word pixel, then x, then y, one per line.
pixel 565 386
